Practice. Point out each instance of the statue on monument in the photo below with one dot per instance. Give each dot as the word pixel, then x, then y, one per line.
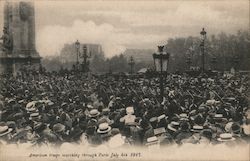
pixel 6 44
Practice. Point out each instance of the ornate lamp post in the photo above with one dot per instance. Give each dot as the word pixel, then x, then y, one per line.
pixel 202 45
pixel 161 65
pixel 131 63
pixel 77 45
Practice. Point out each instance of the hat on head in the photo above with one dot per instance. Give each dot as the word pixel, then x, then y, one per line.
pixel 90 106
pixel 21 101
pixel 159 131
pixel 94 113
pixel 115 131
pixel 39 127
pixel 103 128
pixel 34 116
pixel 197 128
pixel 92 123
pixel 118 98
pixel 31 106
pixel 235 128
pixel 224 137
pixel 184 126
pixel 105 111
pixel 58 127
pixel 152 141
pixel 173 126
pixel 11 101
pixel 18 116
pixel 183 117
pixel 208 133
pixel 63 104
pixel 51 103
pixel 4 130
pixel 105 120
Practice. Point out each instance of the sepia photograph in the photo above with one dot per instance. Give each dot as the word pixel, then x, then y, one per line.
pixel 124 80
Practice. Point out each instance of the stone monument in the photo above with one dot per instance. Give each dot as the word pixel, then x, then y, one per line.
pixel 17 44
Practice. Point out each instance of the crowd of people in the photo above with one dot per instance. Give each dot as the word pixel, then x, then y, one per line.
pixel 54 108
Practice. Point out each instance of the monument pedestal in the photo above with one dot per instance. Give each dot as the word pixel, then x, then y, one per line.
pixel 12 64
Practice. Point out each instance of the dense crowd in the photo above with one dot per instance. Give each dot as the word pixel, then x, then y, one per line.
pixel 54 108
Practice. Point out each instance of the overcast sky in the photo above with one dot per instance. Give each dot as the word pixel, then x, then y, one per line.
pixel 118 25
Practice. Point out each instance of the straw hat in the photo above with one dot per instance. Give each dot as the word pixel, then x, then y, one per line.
pixel 197 128
pixel 4 130
pixel 152 140
pixel 34 115
pixel 103 128
pixel 173 126
pixel 94 113
pixel 224 137
pixel 183 117
pixel 90 106
pixel 31 106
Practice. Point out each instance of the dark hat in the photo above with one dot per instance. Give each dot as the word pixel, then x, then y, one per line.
pixel 105 120
pixel 51 137
pixel 199 119
pixel 39 127
pixel 18 116
pixel 92 123
pixel 115 131
pixel 208 133
pixel 235 128
pixel 58 127
pixel 90 130
pixel 184 126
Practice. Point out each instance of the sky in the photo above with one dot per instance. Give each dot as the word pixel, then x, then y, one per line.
pixel 118 25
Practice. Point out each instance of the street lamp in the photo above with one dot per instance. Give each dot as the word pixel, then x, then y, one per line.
pixel 131 63
pixel 161 65
pixel 202 45
pixel 77 45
